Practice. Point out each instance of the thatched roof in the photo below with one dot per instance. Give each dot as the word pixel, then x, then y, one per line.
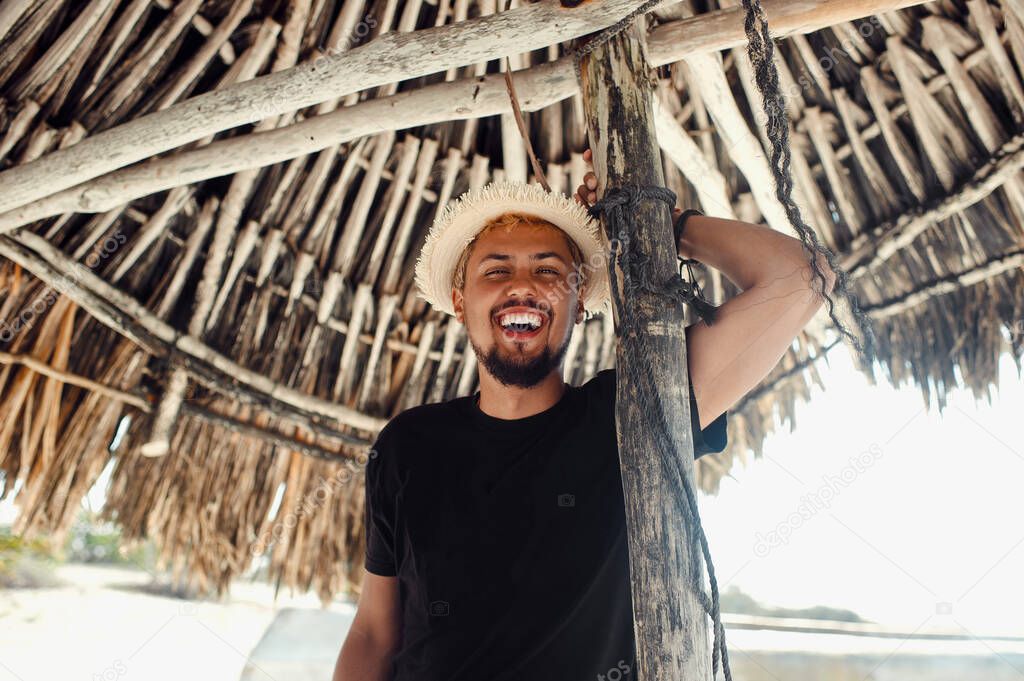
pixel 244 299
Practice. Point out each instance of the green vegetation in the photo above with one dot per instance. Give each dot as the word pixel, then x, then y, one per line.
pixel 92 540
pixel 28 564
pixel 25 564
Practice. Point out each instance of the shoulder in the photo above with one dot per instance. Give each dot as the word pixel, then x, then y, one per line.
pixel 602 379
pixel 410 433
pixel 416 422
pixel 601 385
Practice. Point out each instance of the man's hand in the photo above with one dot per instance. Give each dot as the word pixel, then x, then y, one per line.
pixel 586 193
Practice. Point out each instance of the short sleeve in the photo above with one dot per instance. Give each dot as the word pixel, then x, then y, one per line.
pixel 710 440
pixel 380 507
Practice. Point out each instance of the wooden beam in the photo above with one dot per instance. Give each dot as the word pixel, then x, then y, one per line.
pixel 271 437
pixel 875 246
pixel 127 316
pixel 390 58
pixel 652 385
pixel 66 173
pixel 679 147
pixel 740 143
pixel 232 424
pixel 949 283
pixel 45 369
pixel 721 30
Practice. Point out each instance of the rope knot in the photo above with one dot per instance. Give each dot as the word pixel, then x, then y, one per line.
pixel 631 196
pixel 635 265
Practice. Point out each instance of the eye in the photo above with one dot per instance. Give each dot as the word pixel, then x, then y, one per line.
pixel 490 272
pixel 548 269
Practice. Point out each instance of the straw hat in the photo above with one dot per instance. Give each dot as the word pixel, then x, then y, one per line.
pixel 463 219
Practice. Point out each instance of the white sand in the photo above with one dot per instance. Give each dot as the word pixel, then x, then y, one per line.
pixel 93 631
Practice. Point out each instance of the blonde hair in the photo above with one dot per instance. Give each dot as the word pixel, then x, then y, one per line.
pixel 508 221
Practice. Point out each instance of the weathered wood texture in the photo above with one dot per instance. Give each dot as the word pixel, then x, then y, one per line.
pixel 68 172
pixel 389 59
pixel 652 405
pixel 126 316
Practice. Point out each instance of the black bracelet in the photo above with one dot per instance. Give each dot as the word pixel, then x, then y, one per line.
pixel 679 226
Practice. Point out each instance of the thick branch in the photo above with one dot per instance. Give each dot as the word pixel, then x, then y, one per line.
pixel 390 58
pixel 740 143
pixel 277 439
pixel 127 316
pixel 45 369
pixel 232 424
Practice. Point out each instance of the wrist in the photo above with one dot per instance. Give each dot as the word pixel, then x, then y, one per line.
pixel 680 218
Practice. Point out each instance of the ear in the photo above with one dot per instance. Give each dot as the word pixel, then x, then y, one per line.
pixel 580 310
pixel 459 304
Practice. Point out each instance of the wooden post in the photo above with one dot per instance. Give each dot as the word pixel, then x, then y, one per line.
pixel 652 384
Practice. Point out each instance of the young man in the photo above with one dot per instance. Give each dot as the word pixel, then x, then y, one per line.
pixel 496 538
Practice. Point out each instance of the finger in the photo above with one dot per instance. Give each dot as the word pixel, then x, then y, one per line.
pixel 588 155
pixel 590 179
pixel 592 197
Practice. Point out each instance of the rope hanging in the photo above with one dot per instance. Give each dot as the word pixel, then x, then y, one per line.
pixel 760 50
pixel 613 206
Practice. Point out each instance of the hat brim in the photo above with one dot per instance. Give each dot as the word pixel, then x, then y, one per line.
pixel 463 219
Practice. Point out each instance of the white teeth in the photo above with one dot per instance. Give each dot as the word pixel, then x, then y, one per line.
pixel 531 318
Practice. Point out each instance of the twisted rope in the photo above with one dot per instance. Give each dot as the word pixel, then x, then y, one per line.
pixel 613 205
pixel 760 49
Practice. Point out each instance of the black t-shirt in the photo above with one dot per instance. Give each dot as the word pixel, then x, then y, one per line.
pixel 508 538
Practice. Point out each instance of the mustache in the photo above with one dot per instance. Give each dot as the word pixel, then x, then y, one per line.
pixel 546 309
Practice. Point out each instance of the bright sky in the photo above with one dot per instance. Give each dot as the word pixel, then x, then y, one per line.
pixel 927 529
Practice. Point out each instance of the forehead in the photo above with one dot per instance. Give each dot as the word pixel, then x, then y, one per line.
pixel 521 238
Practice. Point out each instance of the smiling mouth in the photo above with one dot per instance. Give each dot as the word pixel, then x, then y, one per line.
pixel 516 333
pixel 520 326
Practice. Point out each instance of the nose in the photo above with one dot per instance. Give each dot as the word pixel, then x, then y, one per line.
pixel 521 285
pixel 522 290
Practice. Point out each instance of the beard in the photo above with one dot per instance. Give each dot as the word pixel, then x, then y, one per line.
pixel 516 370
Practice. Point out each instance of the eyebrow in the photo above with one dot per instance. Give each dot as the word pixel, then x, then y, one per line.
pixel 536 256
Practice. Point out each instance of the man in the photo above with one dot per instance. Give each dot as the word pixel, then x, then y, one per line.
pixel 496 539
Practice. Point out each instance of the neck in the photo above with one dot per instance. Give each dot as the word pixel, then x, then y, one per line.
pixel 513 402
